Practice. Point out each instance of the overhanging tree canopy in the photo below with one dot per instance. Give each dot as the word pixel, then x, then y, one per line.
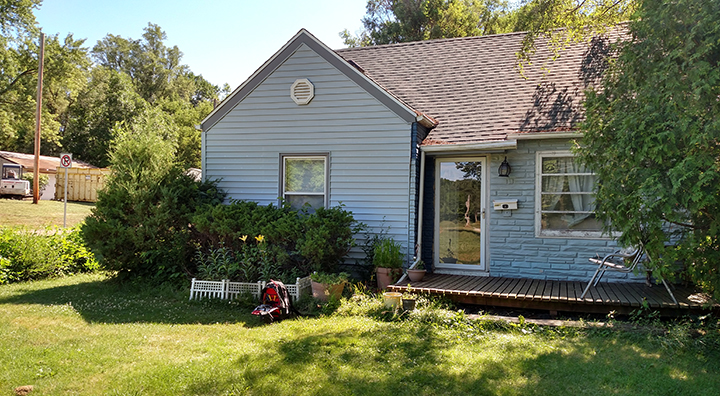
pixel 652 135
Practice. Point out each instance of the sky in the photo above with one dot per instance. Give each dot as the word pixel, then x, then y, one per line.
pixel 223 40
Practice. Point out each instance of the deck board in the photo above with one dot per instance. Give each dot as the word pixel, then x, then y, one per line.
pixel 524 291
pixel 555 295
pixel 537 288
pixel 622 297
pixel 516 289
pixel 614 299
pixel 480 285
pixel 506 284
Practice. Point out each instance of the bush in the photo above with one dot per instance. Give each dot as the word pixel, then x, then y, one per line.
pixel 140 226
pixel 27 255
pixel 147 234
pixel 292 242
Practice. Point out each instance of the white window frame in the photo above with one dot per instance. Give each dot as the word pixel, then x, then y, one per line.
pixel 315 156
pixel 539 232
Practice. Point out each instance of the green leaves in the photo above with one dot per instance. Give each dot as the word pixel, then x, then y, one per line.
pixel 396 21
pixel 652 136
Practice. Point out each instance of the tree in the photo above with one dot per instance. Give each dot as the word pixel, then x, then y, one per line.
pixel 652 136
pixel 140 223
pixel 66 64
pixel 160 80
pixel 396 21
pixel 108 98
pixel 563 21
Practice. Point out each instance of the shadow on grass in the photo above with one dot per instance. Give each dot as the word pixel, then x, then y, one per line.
pixel 109 301
pixel 420 360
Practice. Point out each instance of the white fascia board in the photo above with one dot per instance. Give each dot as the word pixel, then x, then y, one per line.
pixel 485 146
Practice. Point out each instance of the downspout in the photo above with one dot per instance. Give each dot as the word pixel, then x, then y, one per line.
pixel 421 192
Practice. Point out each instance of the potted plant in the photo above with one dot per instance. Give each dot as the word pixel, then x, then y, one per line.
pixel 326 285
pixel 418 273
pixel 388 261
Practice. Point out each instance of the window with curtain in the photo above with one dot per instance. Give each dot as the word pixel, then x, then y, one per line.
pixel 564 195
pixel 304 181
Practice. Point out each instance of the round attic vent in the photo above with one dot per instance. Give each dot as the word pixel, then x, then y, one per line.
pixel 302 91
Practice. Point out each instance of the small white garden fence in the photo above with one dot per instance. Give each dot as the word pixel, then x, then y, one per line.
pixel 227 290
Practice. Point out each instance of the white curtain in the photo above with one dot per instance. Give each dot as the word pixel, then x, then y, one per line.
pixel 579 184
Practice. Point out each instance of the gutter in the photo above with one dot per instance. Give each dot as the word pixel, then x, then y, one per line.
pixel 459 148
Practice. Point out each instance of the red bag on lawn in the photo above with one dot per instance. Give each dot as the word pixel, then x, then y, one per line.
pixel 276 303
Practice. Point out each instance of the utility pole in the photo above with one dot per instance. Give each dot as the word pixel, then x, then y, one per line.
pixel 38 112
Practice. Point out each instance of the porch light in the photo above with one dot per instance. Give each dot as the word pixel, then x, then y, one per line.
pixel 504 169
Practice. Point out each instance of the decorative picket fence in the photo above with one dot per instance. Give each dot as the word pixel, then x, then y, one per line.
pixel 227 290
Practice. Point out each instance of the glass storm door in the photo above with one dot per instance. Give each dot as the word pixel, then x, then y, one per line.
pixel 460 214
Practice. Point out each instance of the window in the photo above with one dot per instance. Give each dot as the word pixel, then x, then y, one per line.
pixel 564 197
pixel 304 180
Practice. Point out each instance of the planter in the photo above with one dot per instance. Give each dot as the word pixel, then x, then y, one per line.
pixel 323 291
pixel 392 299
pixel 387 276
pixel 408 304
pixel 416 275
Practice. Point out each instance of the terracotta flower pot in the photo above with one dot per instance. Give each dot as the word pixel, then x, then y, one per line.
pixel 323 292
pixel 387 276
pixel 416 275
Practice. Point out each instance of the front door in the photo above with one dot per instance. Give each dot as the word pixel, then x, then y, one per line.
pixel 460 209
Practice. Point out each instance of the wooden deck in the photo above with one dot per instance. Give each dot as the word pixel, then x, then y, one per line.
pixel 557 296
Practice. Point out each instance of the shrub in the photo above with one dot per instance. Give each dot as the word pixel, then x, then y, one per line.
pixel 27 255
pixel 293 242
pixel 140 226
pixel 147 233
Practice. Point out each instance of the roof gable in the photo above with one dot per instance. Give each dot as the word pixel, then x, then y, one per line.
pixel 304 37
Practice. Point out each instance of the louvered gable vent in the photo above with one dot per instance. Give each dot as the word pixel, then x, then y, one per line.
pixel 302 91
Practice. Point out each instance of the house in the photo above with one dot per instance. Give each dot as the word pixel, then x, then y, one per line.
pixel 47 166
pixel 418 138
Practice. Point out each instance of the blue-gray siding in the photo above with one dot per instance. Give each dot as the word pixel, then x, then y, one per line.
pixel 514 249
pixel 369 146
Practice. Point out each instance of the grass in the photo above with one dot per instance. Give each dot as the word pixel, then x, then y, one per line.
pixel 46 213
pixel 91 336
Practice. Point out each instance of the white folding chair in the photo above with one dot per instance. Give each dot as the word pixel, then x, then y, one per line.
pixel 624 260
pixel 617 261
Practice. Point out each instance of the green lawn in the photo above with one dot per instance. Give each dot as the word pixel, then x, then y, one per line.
pixel 87 335
pixel 45 213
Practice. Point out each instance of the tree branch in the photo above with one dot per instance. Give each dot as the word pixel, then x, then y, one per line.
pixel 611 7
pixel 691 226
pixel 29 71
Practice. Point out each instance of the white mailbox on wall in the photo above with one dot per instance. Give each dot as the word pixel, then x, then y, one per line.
pixel 505 204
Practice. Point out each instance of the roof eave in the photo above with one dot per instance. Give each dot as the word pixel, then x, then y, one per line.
pixel 491 145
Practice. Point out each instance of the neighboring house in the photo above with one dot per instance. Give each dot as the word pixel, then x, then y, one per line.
pixel 410 137
pixel 48 166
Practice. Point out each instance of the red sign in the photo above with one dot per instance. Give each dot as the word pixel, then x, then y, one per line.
pixel 66 160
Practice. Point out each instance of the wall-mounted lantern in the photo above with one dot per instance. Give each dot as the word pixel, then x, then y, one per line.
pixel 504 169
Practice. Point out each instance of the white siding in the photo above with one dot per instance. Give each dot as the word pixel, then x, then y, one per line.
pixel 368 145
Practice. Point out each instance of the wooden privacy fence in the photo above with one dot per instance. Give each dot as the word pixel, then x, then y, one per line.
pixel 83 183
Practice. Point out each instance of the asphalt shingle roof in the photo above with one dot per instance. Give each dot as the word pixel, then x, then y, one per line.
pixel 472 86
